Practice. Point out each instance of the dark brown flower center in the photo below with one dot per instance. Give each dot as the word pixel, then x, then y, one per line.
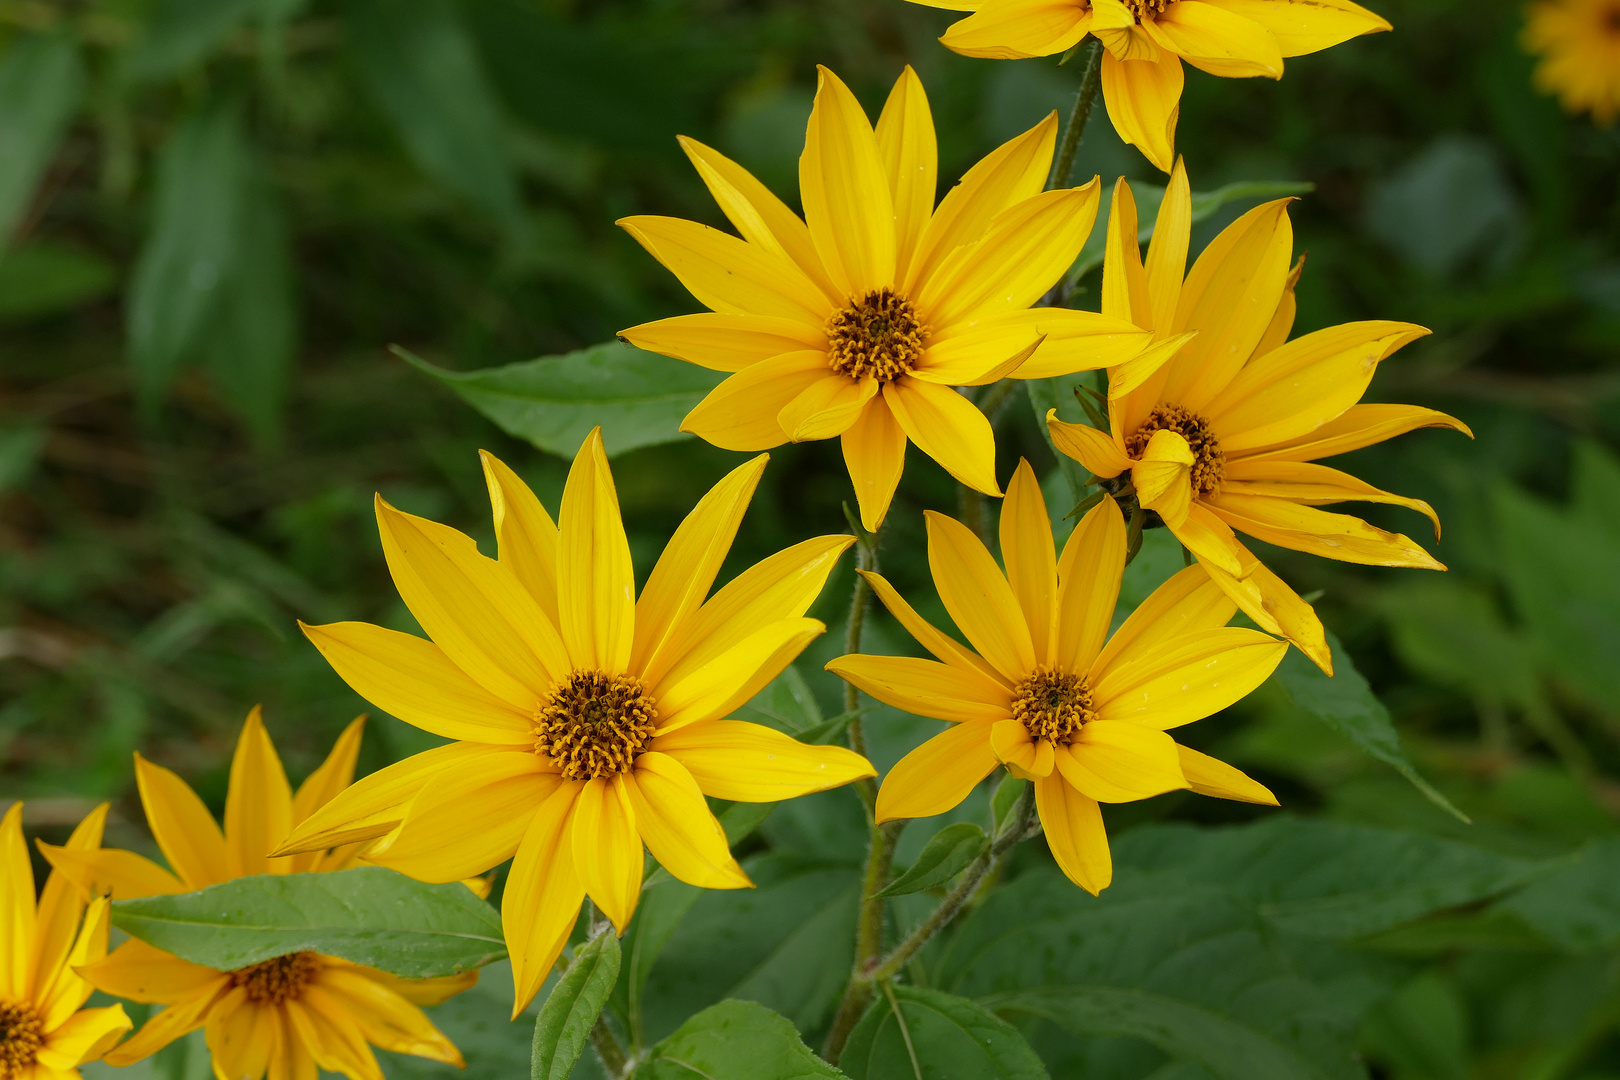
pixel 1052 705
pixel 282 978
pixel 878 335
pixel 22 1033
pixel 1611 20
pixel 1209 466
pixel 1144 8
pixel 595 724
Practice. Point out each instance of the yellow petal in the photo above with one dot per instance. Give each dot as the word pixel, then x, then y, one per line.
pixel 321 1022
pixel 543 892
pixel 123 874
pixel 1143 99
pixel 1018 29
pixel 423 991
pixel 934 640
pixel 985 353
pixel 386 1019
pixel 731 759
pixel 414 680
pixel 846 194
pixel 1069 340
pixel 1332 536
pixel 1282 320
pixel 83 1037
pixel 729 275
pixel 736 675
pixel 687 568
pixel 61 905
pixel 1074 828
pixel 166 1026
pixel 1096 450
pixel 1145 369
pixel 1210 538
pixel 948 428
pixel 333 775
pixel 1163 478
pixel 980 601
pixel 137 971
pixel 1025 757
pixel 874 449
pixel 58 998
pixel 825 408
pixel 607 847
pixel 905 141
pixel 1208 776
pixel 297 1051
pixel 524 532
pixel 740 413
pixel 16 905
pixel 939 774
pixel 242 1035
pixel 1129 42
pixel 182 826
pixel 678 827
pixel 1167 252
pixel 1306 26
pixel 1216 40
pixel 596 586
pixel 1031 559
pixel 258 803
pixel 1313 485
pixel 925 687
pixel 725 342
pixel 1190 601
pixel 1188 678
pixel 1356 427
pixel 1117 761
pixel 1124 284
pixel 1276 609
pixel 1089 576
pixel 1110 15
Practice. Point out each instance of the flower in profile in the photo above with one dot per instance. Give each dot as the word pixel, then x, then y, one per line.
pixel 1047 692
pixel 1578 42
pixel 858 320
pixel 1145 41
pixel 290 1015
pixel 587 722
pixel 45 1033
pixel 1225 435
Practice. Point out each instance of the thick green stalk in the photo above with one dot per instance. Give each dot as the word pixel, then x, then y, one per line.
pixel 1084 99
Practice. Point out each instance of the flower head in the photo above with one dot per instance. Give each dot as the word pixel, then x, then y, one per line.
pixel 1145 41
pixel 45 1034
pixel 1224 436
pixel 587 722
pixel 1579 45
pixel 1046 691
pixel 289 1015
pixel 857 320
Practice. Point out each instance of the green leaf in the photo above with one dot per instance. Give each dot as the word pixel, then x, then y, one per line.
pixel 1008 791
pixel 787 704
pixel 663 905
pixel 423 70
pixel 947 853
pixel 46 278
pixel 1347 704
pixel 735 1040
pixel 741 819
pixel 1227 1048
pixel 367 915
pixel 930 1035
pixel 20 444
pixel 571 1009
pixel 182 33
pixel 41 81
pixel 637 398
pixel 1578 906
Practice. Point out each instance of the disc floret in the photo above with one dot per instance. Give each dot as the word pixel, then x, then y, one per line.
pixel 279 979
pixel 877 335
pixel 1053 705
pixel 22 1034
pixel 1209 466
pixel 595 724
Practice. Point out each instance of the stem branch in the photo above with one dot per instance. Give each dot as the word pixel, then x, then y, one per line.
pixel 1084 99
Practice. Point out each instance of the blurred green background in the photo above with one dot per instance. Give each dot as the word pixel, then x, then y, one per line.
pixel 217 214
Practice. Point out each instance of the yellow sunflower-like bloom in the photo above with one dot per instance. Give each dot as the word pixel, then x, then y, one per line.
pixel 1047 692
pixel 44 1034
pixel 1579 45
pixel 1223 436
pixel 1145 41
pixel 857 320
pixel 289 1016
pixel 587 722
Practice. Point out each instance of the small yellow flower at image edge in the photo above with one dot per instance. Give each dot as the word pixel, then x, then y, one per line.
pixel 289 1016
pixel 45 1033
pixel 1578 45
pixel 588 722
pixel 857 321
pixel 1046 692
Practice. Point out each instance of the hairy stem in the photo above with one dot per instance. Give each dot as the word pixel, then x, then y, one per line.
pixel 1084 99
pixel 866 558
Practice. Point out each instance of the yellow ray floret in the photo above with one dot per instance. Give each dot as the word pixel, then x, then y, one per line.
pixel 1224 436
pixel 1046 692
pixel 856 321
pixel 1145 42
pixel 1578 42
pixel 589 722
pixel 290 1016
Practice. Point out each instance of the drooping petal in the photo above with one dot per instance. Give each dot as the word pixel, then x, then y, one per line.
pixel 726 342
pixel 948 428
pixel 167 1025
pixel 729 275
pixel 1189 602
pixel 1313 485
pixel 1074 829
pixel 1207 776
pixel 1332 536
pixel 678 827
pixel 1356 427
pixel 1018 29
pixel 542 898
pixel 525 534
pixel 937 775
pixel 137 971
pixel 1117 761
pixel 241 1036
pixel 745 762
pixel 422 991
pixel 1124 284
pixel 1188 678
pixel 1096 450
pixel 596 585
pixel 1276 609
pixel 1025 757
pixel 980 601
pixel 258 803
pixel 740 413
pixel 122 874
pixel 925 687
pixel 386 1019
pixel 1207 536
pixel 1089 576
pixel 1163 477
pixel 826 408
pixel 906 145
pixel 1306 26
pixel 182 826
pixel 1144 99
pixel 83 1037
pixel 321 1021
pixel 607 847
pixel 874 449
pixel 846 196
pixel 928 636
pixel 1216 40
pixel 736 675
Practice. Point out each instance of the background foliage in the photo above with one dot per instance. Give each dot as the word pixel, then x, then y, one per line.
pixel 216 214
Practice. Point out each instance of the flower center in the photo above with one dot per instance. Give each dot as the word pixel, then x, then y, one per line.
pixel 1611 20
pixel 594 724
pixel 1144 8
pixel 279 979
pixel 878 335
pixel 22 1033
pixel 1209 465
pixel 1053 705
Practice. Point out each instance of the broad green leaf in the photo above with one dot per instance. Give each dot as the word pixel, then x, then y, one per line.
pixel 924 1034
pixel 41 81
pixel 637 398
pixel 1008 791
pixel 182 33
pixel 46 278
pixel 367 915
pixel 566 1019
pixel 1347 704
pixel 735 1040
pixel 1230 1050
pixel 1422 1029
pixel 422 69
pixel 947 853
pixel 476 1021
pixel 1578 906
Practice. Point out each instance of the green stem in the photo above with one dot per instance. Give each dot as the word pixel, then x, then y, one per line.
pixel 866 558
pixel 603 1041
pixel 1084 99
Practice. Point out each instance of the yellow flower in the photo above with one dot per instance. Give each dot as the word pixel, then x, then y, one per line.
pixel 1145 41
pixel 44 1034
pixel 1222 436
pixel 1579 45
pixel 857 320
pixel 1044 694
pixel 289 1015
pixel 587 722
